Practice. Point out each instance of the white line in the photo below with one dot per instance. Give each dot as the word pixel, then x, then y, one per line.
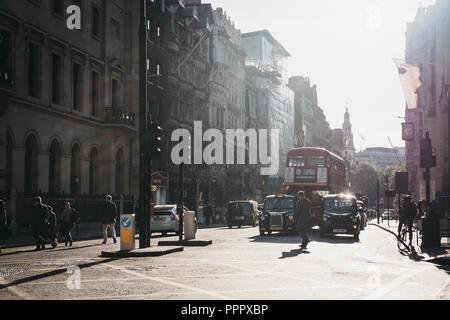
pixel 395 283
pixel 168 282
pixel 15 290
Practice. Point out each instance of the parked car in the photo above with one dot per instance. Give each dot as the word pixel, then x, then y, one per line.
pixel 387 215
pixel 363 213
pixel 166 219
pixel 242 213
pixel 340 215
pixel 278 214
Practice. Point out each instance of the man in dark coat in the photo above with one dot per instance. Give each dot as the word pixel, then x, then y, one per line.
pixel 303 218
pixel 407 215
pixel 39 223
pixel 208 213
pixel 109 219
pixel 52 233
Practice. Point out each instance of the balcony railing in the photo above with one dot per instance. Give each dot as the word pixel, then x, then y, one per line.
pixel 120 116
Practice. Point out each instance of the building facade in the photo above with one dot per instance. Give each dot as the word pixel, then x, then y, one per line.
pixel 68 109
pixel 267 73
pixel 381 158
pixel 311 127
pixel 428 47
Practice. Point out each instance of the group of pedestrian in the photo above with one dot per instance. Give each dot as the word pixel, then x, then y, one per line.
pixel 44 224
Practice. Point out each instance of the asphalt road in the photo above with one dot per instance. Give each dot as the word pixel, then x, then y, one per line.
pixel 239 265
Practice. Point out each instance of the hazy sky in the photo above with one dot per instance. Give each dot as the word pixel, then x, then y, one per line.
pixel 346 48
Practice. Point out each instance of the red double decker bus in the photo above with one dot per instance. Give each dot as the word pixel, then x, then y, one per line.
pixel 317 172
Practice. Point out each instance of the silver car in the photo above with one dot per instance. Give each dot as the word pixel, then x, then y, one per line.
pixel 165 219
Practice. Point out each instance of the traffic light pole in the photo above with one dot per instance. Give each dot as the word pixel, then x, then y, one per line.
pixel 180 201
pixel 378 201
pixel 144 159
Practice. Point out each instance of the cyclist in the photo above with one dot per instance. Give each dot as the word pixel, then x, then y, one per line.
pixel 407 215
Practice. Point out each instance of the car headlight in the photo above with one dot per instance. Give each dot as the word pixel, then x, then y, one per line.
pixel 291 217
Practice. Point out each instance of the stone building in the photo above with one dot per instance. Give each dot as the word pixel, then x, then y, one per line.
pixel 381 158
pixel 428 47
pixel 310 121
pixel 68 106
pixel 267 73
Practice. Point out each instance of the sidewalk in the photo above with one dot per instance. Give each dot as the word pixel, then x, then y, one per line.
pixel 435 255
pixel 86 231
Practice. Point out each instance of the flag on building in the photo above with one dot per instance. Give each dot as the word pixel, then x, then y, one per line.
pixel 410 80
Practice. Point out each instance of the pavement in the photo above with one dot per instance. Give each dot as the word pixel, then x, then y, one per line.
pixel 86 231
pixel 435 255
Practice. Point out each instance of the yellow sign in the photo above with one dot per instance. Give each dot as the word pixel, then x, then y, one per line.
pixel 154 188
pixel 126 236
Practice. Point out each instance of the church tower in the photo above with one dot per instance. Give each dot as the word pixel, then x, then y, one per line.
pixel 349 148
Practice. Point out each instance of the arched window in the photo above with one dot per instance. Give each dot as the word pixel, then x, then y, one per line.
pixel 31 165
pixel 93 172
pixel 54 183
pixel 120 172
pixel 75 170
pixel 9 150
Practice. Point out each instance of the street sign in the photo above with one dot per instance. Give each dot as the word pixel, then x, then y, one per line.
pixel 127 232
pixel 402 182
pixel 408 131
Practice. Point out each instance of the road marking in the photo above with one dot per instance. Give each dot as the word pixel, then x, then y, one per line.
pixel 168 282
pixel 381 292
pixel 15 290
pixel 277 275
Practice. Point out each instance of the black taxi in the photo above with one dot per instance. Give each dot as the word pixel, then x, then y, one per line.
pixel 340 215
pixel 278 214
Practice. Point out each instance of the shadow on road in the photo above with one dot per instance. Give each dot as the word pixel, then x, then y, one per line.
pixel 293 253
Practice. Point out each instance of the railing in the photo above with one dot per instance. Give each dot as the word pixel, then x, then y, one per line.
pixel 120 116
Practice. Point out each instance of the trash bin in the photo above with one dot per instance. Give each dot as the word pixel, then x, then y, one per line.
pixel 190 225
pixel 127 232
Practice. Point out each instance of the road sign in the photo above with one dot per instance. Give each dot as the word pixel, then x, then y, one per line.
pixel 127 232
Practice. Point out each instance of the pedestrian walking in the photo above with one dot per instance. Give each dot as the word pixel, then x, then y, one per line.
pixel 68 217
pixel 109 219
pixel 39 222
pixel 303 218
pixel 52 233
pixel 408 213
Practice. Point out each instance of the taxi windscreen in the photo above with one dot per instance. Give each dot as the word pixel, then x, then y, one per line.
pixel 279 203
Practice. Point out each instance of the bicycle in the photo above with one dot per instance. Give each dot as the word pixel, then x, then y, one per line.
pixel 402 239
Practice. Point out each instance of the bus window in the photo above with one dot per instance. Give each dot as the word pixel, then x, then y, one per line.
pixel 305 174
pixel 316 162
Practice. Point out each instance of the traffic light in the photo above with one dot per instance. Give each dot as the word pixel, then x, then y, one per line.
pixel 157 139
pixel 427 160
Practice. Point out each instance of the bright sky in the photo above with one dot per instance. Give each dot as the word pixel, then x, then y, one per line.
pixel 346 48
